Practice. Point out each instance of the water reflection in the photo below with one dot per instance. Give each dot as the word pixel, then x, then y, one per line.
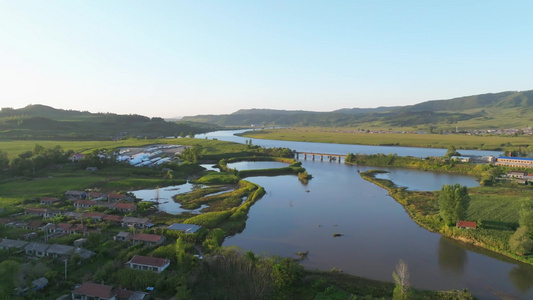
pixel 522 278
pixel 451 257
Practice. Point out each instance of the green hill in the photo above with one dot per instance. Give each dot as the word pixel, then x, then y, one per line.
pixel 44 122
pixel 498 110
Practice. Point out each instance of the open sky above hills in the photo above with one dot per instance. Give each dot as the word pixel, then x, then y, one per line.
pixel 178 58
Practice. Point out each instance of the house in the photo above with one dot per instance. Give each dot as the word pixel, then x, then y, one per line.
pixel 68 228
pixel 148 239
pixel 187 228
pixel 139 262
pixel 517 174
pixel 95 196
pixel 36 285
pixel 49 200
pixel 52 213
pixel 125 207
pixel 466 224
pixel 49 227
pixel 123 236
pixel 136 222
pixel 83 253
pixel 30 235
pixel 84 203
pixel 74 215
pixel 94 216
pixel 519 162
pixel 39 283
pixel 115 197
pixel 12 244
pixel 34 225
pixel 57 250
pixel 36 249
pixel 94 291
pixel 465 159
pixel 113 218
pixel 130 295
pixel 35 211
pixel 77 157
pixel 75 194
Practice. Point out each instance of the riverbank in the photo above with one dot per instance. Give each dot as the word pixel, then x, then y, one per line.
pixel 354 137
pixel 497 219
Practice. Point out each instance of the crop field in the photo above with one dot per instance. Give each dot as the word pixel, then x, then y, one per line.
pixel 349 136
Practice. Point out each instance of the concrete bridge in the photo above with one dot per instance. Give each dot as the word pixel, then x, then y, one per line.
pixel 313 155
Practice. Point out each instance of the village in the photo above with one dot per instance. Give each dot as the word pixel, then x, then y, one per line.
pixel 116 216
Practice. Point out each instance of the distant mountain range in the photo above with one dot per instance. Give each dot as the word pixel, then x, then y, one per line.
pixel 44 122
pixel 498 110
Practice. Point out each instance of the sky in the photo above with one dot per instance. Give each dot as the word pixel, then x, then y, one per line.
pixel 183 58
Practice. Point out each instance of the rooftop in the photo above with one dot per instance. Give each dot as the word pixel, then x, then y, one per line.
pixel 95 290
pixel 187 228
pixel 149 261
pixel 145 237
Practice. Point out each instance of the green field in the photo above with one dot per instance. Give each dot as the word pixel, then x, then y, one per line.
pixel 212 147
pixel 347 136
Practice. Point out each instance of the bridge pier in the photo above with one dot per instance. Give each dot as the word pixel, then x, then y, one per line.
pixel 314 156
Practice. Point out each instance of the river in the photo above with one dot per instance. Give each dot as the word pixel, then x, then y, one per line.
pixel 376 230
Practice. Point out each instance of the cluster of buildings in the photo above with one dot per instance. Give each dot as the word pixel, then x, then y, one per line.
pixel 82 221
pixel 150 156
pixel 45 250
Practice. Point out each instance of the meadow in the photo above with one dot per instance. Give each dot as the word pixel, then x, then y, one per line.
pixel 351 136
pixel 210 147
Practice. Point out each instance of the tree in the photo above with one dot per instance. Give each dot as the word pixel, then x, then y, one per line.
pixel 520 242
pixel 453 203
pixel 350 157
pixel 526 216
pixel 4 160
pixel 401 278
pixel 451 152
pixel 191 154
pixel 8 271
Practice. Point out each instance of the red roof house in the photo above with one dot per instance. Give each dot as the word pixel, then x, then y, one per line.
pixel 90 290
pixel 466 224
pixel 124 207
pixel 114 197
pixel 112 218
pixel 148 239
pixel 84 203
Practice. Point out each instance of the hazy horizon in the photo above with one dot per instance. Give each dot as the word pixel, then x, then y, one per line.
pixel 176 58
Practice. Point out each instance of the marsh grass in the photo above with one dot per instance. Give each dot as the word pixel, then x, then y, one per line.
pixel 345 136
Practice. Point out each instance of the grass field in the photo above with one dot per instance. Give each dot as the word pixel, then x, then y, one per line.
pixel 347 136
pixel 211 147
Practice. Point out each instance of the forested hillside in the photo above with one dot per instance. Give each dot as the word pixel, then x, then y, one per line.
pixel 499 110
pixel 44 122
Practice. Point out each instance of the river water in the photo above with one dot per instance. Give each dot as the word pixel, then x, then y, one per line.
pixel 376 230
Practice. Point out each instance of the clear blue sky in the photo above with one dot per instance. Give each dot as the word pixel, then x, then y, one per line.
pixel 176 58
